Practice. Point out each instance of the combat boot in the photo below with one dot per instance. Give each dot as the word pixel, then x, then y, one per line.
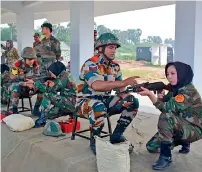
pixel 92 145
pixel 185 148
pixel 165 158
pixel 92 139
pixel 36 111
pixel 117 136
pixel 41 121
pixel 15 110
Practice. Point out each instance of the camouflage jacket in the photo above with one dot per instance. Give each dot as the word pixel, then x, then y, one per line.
pixel 11 56
pixel 64 84
pixel 21 70
pixel 36 43
pixel 95 69
pixel 187 104
pixel 5 77
pixel 49 48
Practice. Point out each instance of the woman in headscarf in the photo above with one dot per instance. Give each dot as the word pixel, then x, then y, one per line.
pixel 11 53
pixel 62 103
pixel 180 122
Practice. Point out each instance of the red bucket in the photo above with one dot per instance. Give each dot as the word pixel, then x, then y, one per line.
pixel 2 117
pixel 68 125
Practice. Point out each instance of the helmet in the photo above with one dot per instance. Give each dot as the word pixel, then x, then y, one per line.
pixel 29 53
pixel 52 128
pixel 48 25
pixel 107 39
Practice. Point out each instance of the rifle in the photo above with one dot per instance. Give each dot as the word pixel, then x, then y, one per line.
pixel 43 78
pixel 156 87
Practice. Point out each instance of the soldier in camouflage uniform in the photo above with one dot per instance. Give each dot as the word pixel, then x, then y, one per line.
pixel 5 77
pixel 49 49
pixel 180 122
pixel 59 92
pixel 100 74
pixel 10 54
pixel 37 41
pixel 22 69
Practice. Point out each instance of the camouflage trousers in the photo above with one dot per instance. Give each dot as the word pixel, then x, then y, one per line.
pixel 60 104
pixel 5 93
pixel 97 109
pixel 15 92
pixel 172 128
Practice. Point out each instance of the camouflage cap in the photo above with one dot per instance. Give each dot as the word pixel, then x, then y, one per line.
pixel 52 128
pixel 29 53
pixel 48 25
pixel 107 39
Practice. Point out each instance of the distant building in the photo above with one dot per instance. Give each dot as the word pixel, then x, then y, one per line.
pixel 157 54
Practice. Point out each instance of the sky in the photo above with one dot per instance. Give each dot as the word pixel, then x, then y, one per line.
pixel 159 21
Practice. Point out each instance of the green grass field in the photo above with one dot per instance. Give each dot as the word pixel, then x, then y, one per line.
pixel 142 73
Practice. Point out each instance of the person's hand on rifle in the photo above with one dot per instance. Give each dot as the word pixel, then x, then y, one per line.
pixel 29 81
pixel 161 94
pixel 12 76
pixel 146 92
pixel 29 85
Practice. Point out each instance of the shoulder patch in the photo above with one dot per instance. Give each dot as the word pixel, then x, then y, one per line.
pixel 18 63
pixel 179 98
pixel 51 83
pixel 35 64
pixel 94 59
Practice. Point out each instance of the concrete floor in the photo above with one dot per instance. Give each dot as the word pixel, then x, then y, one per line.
pixel 31 151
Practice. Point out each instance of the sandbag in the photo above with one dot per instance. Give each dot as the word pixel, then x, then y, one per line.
pixel 112 157
pixel 18 122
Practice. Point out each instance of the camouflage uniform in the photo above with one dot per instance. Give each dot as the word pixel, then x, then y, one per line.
pixel 11 56
pixel 181 118
pixel 21 70
pixel 49 50
pixel 5 78
pixel 95 105
pixel 61 94
pixel 36 43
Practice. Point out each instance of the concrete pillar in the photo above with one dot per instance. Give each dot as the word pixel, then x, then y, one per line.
pixel 188 37
pixel 25 29
pixel 81 34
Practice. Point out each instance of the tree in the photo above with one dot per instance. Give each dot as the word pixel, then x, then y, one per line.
pixel 169 41
pixel 124 37
pixel 102 29
pixel 5 33
pixel 116 32
pixel 144 40
pixel 150 39
pixel 154 39
pixel 157 40
pixel 9 33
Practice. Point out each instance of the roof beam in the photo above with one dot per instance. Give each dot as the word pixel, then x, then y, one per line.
pixel 13 6
pixel 29 4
